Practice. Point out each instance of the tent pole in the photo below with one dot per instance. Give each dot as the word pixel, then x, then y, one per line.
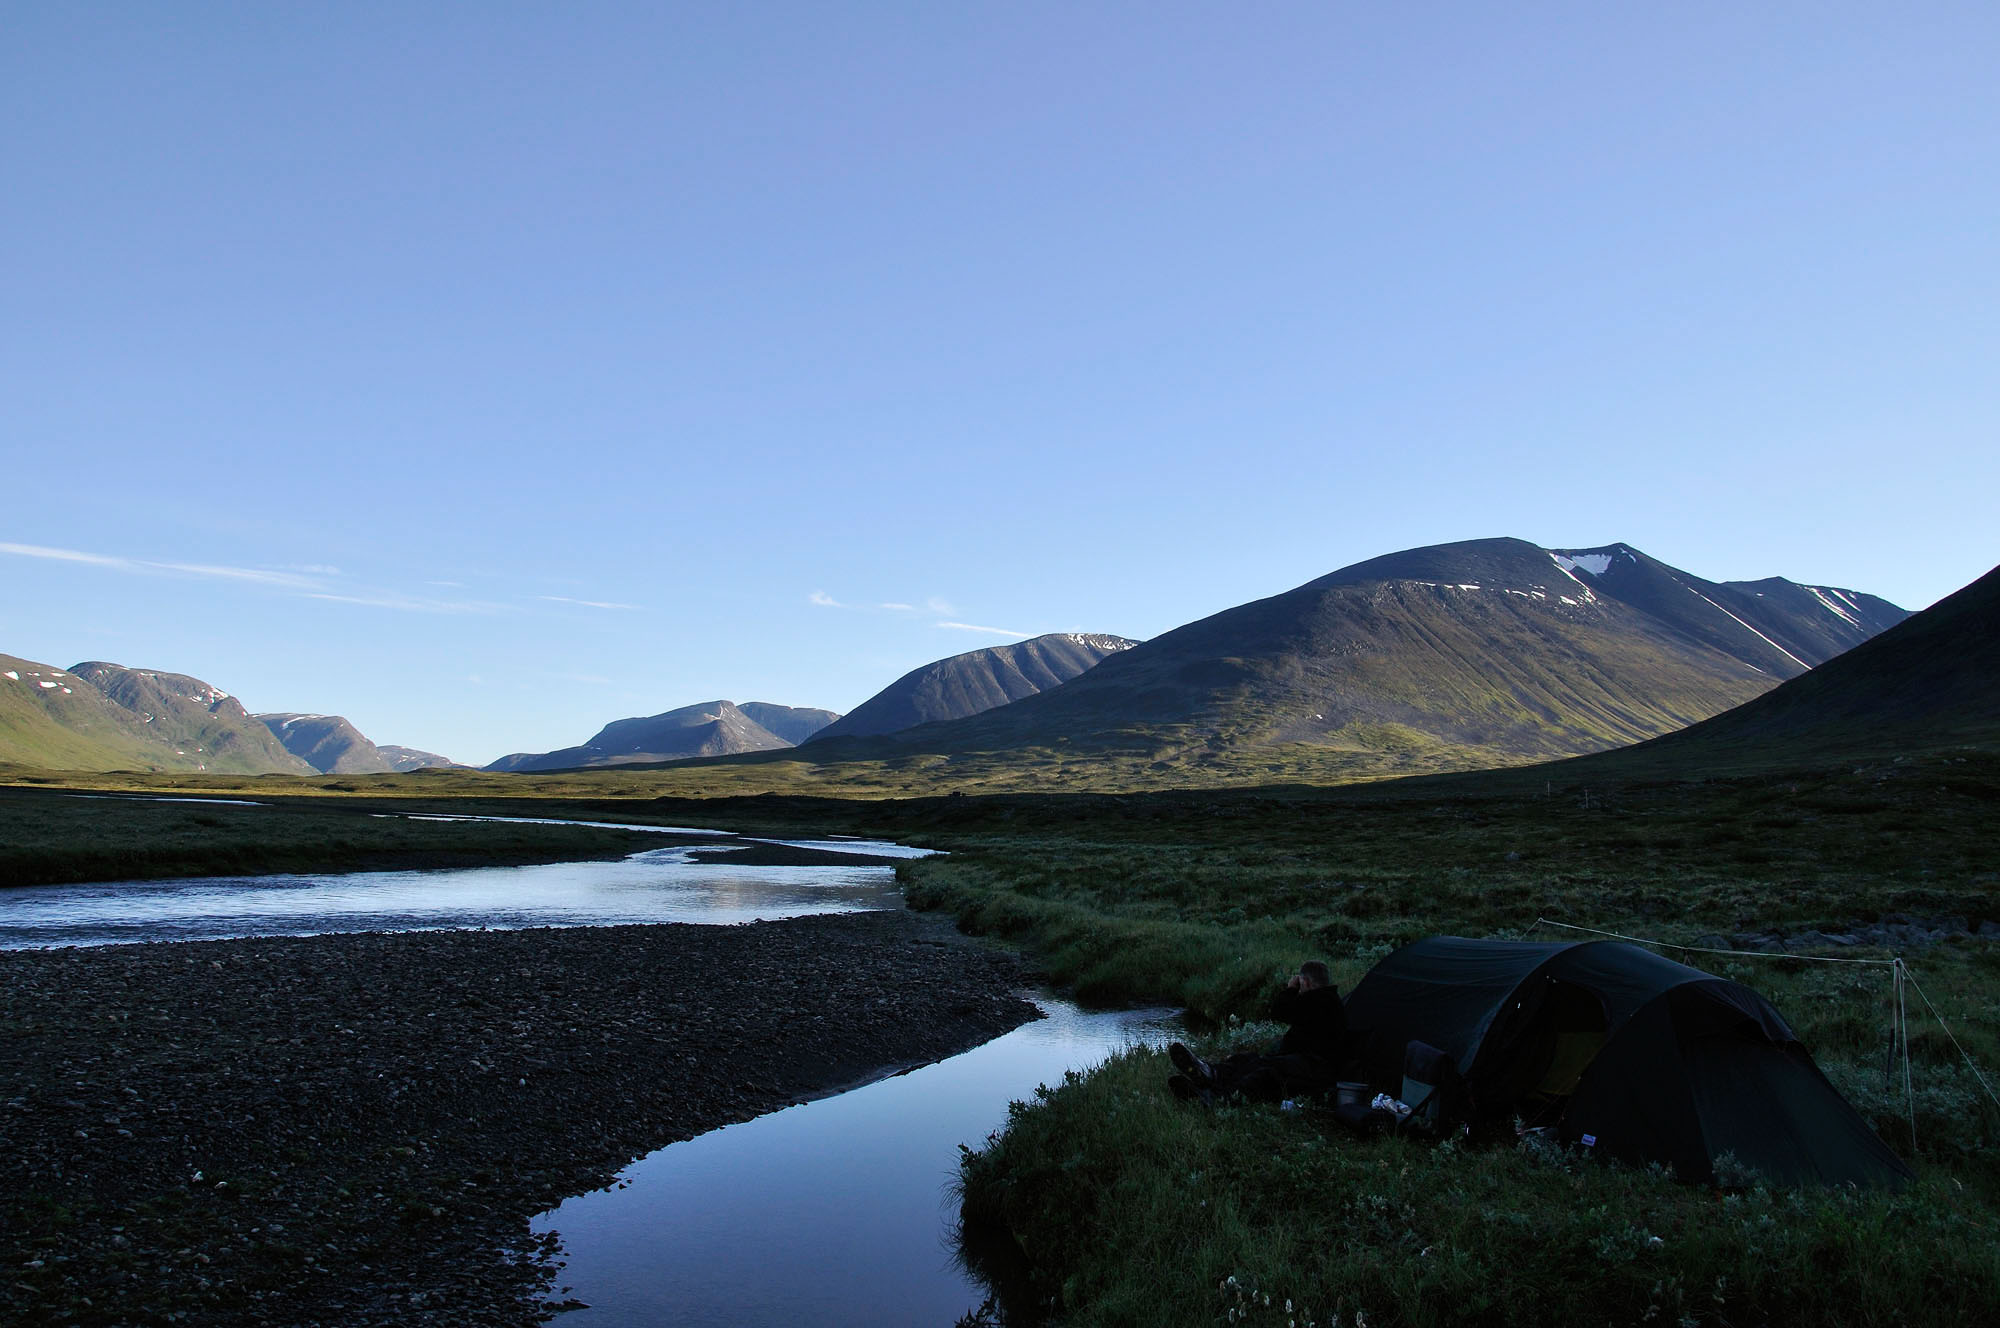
pixel 1903 1018
pixel 1895 1029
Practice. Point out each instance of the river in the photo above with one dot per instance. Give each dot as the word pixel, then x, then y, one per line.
pixel 836 1211
pixel 660 885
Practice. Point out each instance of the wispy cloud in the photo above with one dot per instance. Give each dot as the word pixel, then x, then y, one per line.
pixel 898 608
pixel 943 606
pixel 309 585
pixel 824 600
pixel 64 555
pixel 394 599
pixel 990 631
pixel 256 575
pixel 586 603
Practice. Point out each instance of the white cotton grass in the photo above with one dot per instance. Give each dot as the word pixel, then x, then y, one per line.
pixel 1245 1303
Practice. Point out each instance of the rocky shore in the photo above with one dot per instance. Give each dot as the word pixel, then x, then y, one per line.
pixel 354 1130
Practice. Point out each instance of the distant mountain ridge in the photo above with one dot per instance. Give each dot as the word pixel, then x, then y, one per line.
pixel 327 743
pixel 976 681
pixel 103 716
pixel 1477 653
pixel 1483 652
pixel 709 728
pixel 405 759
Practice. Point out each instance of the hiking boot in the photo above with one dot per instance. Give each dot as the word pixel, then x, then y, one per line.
pixel 1185 1089
pixel 1191 1065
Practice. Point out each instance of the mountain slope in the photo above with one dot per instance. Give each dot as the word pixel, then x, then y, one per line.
pixel 1931 682
pixel 404 759
pixel 712 728
pixel 52 719
pixel 327 743
pixel 793 724
pixel 976 681
pixel 198 723
pixel 1777 625
pixel 1486 652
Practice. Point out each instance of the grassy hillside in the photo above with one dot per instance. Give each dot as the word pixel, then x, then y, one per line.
pixel 195 724
pixel 52 719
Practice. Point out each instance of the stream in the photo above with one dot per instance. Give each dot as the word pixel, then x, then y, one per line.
pixel 837 1211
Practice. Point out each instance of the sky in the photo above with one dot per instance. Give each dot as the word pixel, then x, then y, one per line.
pixel 485 373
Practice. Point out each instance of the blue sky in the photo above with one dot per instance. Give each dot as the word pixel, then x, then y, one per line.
pixel 488 372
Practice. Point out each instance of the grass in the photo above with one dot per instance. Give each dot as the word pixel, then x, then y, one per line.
pixel 1130 1209
pixel 1124 1207
pixel 1104 891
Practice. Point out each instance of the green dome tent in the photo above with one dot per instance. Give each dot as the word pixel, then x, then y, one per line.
pixel 1627 1053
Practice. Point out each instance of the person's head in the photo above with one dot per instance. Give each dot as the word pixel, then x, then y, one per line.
pixel 1315 974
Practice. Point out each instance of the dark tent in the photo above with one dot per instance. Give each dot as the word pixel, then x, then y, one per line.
pixel 1625 1052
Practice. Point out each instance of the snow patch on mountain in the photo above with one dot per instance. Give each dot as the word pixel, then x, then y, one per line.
pixel 1597 564
pixel 1838 610
pixel 1748 628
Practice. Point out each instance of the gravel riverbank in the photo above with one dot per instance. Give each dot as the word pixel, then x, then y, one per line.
pixel 355 1129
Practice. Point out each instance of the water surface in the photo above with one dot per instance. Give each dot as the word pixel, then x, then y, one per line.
pixel 659 885
pixel 838 1211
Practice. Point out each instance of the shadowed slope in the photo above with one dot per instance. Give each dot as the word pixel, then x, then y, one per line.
pixel 327 743
pixel 793 724
pixel 976 681
pixel 1931 682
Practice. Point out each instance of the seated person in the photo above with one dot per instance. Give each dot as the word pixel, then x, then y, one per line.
pixel 1306 1062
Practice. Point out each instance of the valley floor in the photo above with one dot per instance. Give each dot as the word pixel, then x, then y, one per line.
pixel 429 1132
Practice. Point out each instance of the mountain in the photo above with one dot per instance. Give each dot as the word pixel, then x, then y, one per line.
pixel 793 724
pixel 976 681
pixel 1480 653
pixel 1779 626
pixel 713 728
pixel 327 743
pixel 203 726
pixel 403 759
pixel 1929 683
pixel 52 719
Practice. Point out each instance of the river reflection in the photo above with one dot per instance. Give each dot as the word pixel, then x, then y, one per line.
pixel 833 1212
pixel 660 885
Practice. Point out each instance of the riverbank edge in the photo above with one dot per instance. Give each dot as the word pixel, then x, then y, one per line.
pixel 357 1129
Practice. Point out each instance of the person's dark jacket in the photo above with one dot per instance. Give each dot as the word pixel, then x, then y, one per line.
pixel 1317 1022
